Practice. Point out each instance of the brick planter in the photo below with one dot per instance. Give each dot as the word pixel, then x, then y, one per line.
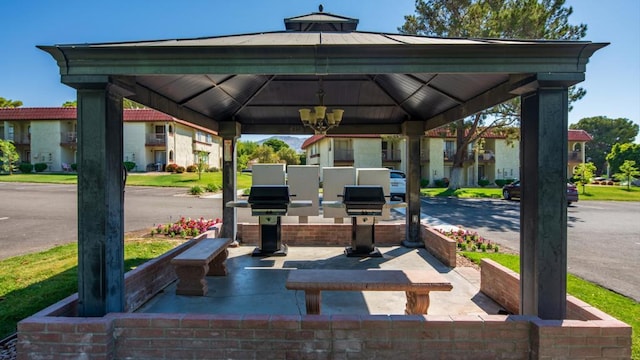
pixel 440 246
pixel 56 333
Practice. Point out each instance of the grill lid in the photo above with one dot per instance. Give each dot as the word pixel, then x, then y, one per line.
pixel 263 196
pixel 365 197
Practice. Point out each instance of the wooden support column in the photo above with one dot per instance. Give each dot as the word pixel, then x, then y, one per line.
pixel 100 200
pixel 543 214
pixel 230 132
pixel 413 130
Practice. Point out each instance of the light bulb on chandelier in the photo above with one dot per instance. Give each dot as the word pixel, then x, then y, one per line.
pixel 319 119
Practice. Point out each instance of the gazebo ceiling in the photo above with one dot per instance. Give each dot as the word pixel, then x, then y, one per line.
pixel 380 80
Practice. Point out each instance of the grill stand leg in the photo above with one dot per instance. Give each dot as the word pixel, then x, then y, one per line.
pixel 270 243
pixel 362 238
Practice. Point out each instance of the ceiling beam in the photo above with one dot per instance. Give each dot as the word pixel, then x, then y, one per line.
pixel 487 99
pixel 395 102
pixel 152 99
pixel 255 93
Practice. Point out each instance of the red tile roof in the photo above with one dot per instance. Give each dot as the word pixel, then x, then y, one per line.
pixel 70 113
pixel 579 135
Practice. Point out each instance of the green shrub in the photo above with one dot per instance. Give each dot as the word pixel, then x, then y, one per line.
pixel 40 167
pixel 444 182
pixel 424 183
pixel 25 167
pixel 483 182
pixel 74 167
pixel 503 182
pixel 192 168
pixel 180 169
pixel 171 168
pixel 129 165
pixel 195 190
pixel 212 187
pixel 213 169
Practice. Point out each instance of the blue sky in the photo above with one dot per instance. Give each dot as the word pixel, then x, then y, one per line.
pixel 30 75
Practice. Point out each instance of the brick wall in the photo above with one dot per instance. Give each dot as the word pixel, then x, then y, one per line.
pixel 156 336
pixel 322 234
pixel 586 333
pixel 440 246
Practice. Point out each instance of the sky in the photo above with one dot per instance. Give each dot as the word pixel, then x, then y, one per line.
pixel 32 76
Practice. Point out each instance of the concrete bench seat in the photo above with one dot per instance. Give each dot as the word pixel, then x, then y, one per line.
pixel 415 283
pixel 205 258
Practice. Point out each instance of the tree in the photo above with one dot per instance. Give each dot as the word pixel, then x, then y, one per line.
pixel 289 156
pixel 8 156
pixel 203 163
pixel 265 155
pixel 244 151
pixel 8 103
pixel 605 132
pixel 126 104
pixel 276 144
pixel 622 152
pixel 628 173
pixel 584 172
pixel 525 19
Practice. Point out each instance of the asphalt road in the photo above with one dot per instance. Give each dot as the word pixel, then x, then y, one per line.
pixel 34 217
pixel 603 243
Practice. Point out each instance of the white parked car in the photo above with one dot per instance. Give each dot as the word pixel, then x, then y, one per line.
pixel 398 182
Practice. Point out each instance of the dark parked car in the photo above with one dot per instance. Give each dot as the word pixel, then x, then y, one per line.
pixel 512 190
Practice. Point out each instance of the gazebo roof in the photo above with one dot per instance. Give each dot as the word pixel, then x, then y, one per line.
pixel 381 80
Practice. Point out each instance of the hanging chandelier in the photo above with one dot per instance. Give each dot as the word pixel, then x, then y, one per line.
pixel 319 119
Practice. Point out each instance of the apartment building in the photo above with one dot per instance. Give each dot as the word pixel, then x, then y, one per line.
pixel 151 139
pixel 494 157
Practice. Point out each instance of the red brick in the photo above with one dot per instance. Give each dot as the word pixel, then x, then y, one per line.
pixel 255 322
pixel 200 321
pixel 345 322
pixel 31 324
pixel 133 322
pixel 319 322
pixel 165 322
pixel 211 333
pixel 239 334
pixel 226 321
pixel 300 335
pixel 285 322
pixel 195 343
pixel 270 334
pixel 622 352
pixel 141 333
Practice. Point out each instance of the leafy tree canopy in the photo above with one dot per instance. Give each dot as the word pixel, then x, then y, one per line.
pixel 276 144
pixel 126 104
pixel 9 103
pixel 288 155
pixel 8 156
pixel 522 19
pixel 628 172
pixel 265 155
pixel 583 173
pixel 605 132
pixel 621 153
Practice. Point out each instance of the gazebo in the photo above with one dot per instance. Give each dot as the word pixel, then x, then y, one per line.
pixel 386 84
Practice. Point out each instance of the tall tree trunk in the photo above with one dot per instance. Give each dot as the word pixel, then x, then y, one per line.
pixel 455 180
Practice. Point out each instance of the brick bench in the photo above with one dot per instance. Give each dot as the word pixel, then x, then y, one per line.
pixel 415 283
pixel 206 258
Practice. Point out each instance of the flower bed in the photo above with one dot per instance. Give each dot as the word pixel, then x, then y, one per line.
pixel 185 227
pixel 470 241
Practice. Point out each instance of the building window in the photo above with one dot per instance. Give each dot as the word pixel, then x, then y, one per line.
pixel 170 129
pixel 171 156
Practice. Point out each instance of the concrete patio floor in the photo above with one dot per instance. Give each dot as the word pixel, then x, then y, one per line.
pixel 256 285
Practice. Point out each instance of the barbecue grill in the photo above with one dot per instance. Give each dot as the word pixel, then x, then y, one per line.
pixel 269 203
pixel 363 203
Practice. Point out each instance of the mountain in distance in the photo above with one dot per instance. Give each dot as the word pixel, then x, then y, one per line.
pixel 294 142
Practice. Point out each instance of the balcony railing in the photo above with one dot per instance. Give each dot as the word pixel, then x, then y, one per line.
pixel 576 157
pixel 450 154
pixel 68 137
pixel 343 155
pixel 19 140
pixel 391 155
pixel 156 140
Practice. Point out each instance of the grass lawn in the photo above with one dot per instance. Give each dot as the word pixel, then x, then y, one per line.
pixel 147 179
pixel 30 283
pixel 616 305
pixel 592 192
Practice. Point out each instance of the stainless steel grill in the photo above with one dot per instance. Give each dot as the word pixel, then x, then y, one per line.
pixel 269 200
pixel 362 200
